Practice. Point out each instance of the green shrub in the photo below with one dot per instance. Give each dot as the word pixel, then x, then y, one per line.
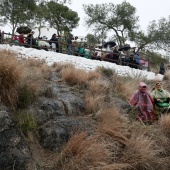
pixel 108 72
pixel 26 97
pixel 26 122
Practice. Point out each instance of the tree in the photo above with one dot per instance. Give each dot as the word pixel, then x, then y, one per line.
pixel 16 12
pixel 91 39
pixel 119 19
pixel 58 1
pixel 157 36
pixel 61 17
pixel 23 29
pixel 40 14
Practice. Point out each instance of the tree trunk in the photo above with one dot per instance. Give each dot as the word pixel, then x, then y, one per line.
pixel 39 31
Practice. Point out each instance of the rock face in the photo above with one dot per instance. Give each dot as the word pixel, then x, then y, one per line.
pixel 14 153
pixel 60 116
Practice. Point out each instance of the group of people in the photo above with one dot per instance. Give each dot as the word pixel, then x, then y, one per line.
pixel 150 107
pixel 76 47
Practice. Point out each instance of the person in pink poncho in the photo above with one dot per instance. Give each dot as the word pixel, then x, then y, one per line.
pixel 144 103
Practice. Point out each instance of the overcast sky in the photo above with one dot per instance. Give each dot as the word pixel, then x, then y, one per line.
pixel 147 10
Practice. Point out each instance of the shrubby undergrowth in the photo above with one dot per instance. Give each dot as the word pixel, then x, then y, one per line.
pixel 116 144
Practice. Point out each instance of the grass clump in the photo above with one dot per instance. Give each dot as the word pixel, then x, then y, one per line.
pixel 26 97
pixel 26 122
pixel 11 74
pixel 108 72
pixel 82 152
pixel 165 125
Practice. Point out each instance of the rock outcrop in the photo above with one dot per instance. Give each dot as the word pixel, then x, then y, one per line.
pixel 14 152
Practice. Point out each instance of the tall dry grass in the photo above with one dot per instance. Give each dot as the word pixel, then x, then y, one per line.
pixel 98 95
pixel 165 125
pixel 11 75
pixel 83 152
pixel 80 77
pixel 58 67
pixel 123 147
pixel 21 80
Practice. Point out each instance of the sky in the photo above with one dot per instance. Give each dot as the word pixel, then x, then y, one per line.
pixel 147 10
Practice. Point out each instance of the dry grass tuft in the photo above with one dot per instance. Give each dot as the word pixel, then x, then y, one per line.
pixel 11 74
pixel 33 62
pixel 165 125
pixel 74 76
pixel 94 103
pixel 124 87
pixel 21 80
pixel 46 71
pixel 33 80
pixel 82 152
pixel 139 153
pixel 60 66
pixel 98 95
pixel 99 87
pixel 112 119
pixel 93 75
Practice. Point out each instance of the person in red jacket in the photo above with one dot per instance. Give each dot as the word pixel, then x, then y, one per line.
pixel 21 39
pixel 144 103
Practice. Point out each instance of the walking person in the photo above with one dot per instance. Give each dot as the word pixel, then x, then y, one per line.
pixel 69 44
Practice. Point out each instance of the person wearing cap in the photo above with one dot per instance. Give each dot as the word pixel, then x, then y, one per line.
pixel 161 97
pixel 144 103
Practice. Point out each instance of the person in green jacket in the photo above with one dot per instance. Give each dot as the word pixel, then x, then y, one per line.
pixel 161 97
pixel 86 54
pixel 81 51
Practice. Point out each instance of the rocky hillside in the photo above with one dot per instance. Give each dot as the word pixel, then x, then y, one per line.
pixel 62 118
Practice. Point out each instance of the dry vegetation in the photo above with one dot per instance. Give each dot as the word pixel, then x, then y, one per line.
pixel 116 144
pixel 21 80
pixel 125 145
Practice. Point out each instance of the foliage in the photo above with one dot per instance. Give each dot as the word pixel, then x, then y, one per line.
pixel 40 14
pixel 108 72
pixel 155 59
pixel 59 1
pixel 61 17
pixel 91 39
pixel 23 29
pixel 120 19
pixel 157 36
pixel 16 12
pixel 26 122
pixel 25 98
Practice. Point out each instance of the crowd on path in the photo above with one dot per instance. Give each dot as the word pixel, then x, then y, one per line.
pixel 149 107
pixel 74 46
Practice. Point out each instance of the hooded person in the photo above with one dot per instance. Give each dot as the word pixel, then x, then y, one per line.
pixel 144 103
pixel 161 97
